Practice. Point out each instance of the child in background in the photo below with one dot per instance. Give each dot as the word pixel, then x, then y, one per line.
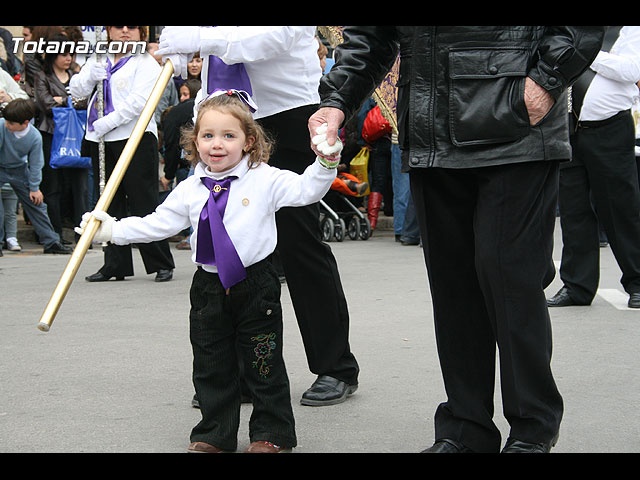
pixel 21 162
pixel 235 294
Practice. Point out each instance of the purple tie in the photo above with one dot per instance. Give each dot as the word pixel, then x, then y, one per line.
pixel 108 103
pixel 214 245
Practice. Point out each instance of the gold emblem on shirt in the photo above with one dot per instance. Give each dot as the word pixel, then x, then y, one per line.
pixel 245 201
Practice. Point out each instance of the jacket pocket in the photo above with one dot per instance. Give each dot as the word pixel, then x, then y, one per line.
pixel 486 95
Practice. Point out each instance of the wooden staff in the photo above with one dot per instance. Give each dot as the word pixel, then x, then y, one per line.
pixel 105 199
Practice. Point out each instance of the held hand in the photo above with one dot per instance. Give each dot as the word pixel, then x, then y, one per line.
pixel 537 100
pixel 106 225
pixel 330 154
pixel 332 118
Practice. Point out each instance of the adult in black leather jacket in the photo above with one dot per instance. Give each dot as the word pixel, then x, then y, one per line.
pixel 482 116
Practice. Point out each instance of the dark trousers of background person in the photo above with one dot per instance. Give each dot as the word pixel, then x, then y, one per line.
pixel 488 240
pixel 137 195
pixel 603 171
pixel 242 328
pixel 55 181
pixel 309 265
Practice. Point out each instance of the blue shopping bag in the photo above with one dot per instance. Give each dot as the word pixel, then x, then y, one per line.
pixel 67 138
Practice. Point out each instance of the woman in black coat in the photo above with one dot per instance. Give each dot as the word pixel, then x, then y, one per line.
pixel 50 92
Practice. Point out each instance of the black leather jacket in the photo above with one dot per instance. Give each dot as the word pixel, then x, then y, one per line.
pixel 461 88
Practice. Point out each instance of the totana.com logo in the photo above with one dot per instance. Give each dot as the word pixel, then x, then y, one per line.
pixel 82 46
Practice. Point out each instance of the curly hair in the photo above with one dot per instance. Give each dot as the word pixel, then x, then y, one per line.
pixel 262 146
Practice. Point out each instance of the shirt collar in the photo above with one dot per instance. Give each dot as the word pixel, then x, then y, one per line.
pixel 239 170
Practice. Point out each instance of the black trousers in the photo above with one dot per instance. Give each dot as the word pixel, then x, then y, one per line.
pixel 242 329
pixel 137 195
pixel 488 241
pixel 603 173
pixel 308 263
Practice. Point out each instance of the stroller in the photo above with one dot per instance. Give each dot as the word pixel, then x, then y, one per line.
pixel 340 217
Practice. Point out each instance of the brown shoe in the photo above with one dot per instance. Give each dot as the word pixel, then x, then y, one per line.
pixel 266 447
pixel 201 447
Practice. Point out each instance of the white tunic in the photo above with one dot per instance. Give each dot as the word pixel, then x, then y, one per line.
pixel 131 87
pixel 281 61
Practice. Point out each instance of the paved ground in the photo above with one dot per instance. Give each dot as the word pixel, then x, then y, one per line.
pixel 113 373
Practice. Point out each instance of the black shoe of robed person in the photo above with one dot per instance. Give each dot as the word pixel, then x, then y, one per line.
pixel 99 277
pixel 563 299
pixel 447 445
pixel 164 275
pixel 327 390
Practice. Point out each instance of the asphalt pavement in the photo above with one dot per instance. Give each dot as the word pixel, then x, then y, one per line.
pixel 113 374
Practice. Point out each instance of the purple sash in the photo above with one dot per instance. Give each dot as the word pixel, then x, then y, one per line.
pixel 108 104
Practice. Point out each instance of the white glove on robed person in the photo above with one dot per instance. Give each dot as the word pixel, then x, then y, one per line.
pixel 104 125
pixel 97 72
pixel 179 44
pixel 106 225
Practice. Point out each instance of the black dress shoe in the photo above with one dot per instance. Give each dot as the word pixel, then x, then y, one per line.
pixel 517 446
pixel 634 300
pixel 100 277
pixel 446 445
pixel 327 390
pixel 58 248
pixel 562 299
pixel 164 275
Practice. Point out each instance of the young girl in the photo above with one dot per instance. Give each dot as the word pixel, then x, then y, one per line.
pixel 236 314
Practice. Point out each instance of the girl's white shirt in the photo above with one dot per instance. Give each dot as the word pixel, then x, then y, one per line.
pixel 249 217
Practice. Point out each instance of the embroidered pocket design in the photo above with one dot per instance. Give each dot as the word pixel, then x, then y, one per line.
pixel 266 344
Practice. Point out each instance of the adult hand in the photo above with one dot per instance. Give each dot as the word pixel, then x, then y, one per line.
pixel 4 97
pixel 333 118
pixel 537 100
pixel 36 197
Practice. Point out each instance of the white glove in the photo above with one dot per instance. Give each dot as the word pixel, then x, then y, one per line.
pixel 320 141
pixel 180 61
pixel 97 72
pixel 179 39
pixel 106 225
pixel 104 125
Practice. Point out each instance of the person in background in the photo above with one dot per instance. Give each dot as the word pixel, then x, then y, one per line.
pixel 21 162
pixel 130 78
pixel 600 185
pixel 270 54
pixel 51 85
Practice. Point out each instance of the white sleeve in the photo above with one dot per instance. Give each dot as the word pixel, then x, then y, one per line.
pixel 171 217
pixel 289 189
pixel 81 85
pixel 245 44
